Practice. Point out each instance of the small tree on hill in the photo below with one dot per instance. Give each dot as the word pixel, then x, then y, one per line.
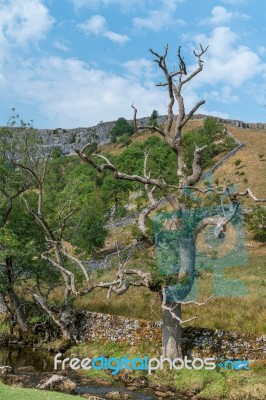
pixel 153 118
pixel 121 127
pixel 212 127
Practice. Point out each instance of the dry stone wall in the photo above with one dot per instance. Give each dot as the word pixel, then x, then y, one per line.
pixel 196 341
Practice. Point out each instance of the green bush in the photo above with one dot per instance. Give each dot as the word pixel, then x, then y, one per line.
pixel 153 118
pixel 121 127
pixel 212 127
pixel 257 222
pixel 124 140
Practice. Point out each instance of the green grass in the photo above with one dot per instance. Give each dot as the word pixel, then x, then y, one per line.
pixel 14 393
pixel 112 349
pixel 230 314
pixel 214 384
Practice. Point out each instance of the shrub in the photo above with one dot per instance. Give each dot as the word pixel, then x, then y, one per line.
pixel 212 127
pixel 121 127
pixel 153 118
pixel 124 140
pixel 237 162
pixel 257 222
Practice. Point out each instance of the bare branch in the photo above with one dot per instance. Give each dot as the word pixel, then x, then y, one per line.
pixel 248 192
pixel 191 113
pixel 218 221
pixel 185 303
pixel 78 262
pixel 180 320
pixel 64 271
pixel 118 174
pixel 144 214
pixel 40 301
pixel 196 166
pixel 152 127
pixel 134 118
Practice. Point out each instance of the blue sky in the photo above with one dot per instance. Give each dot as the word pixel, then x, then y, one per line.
pixel 72 63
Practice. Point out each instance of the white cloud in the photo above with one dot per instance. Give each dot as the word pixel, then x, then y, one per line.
pixel 221 16
pixel 235 2
pixel 60 45
pixel 69 93
pixel 261 50
pixel 23 21
pixel 97 25
pixel 224 95
pixel 226 61
pixel 140 68
pixel 160 18
pixel 125 5
pixel 214 113
pixel 116 37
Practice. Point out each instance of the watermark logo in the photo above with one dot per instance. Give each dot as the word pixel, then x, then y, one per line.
pixel 237 365
pixel 188 241
pixel 115 365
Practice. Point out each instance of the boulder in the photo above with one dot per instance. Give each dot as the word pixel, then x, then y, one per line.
pixel 58 383
pixel 118 396
pixel 6 370
pixel 161 394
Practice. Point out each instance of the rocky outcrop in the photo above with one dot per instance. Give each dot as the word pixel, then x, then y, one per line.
pixel 67 140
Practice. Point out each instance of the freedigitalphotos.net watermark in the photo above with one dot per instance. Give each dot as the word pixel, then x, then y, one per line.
pixel 145 364
pixel 184 247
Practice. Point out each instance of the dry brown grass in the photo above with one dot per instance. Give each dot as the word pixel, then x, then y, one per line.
pixel 252 166
pixel 246 314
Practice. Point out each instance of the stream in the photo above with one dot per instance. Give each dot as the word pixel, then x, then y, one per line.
pixel 38 365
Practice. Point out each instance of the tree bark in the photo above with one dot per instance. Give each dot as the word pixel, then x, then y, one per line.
pixel 14 299
pixel 172 347
pixel 18 308
pixel 66 334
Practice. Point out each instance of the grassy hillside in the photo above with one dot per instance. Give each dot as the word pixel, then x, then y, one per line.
pixel 253 157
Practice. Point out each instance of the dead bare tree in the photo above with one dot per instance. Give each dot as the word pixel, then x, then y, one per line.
pixel 173 194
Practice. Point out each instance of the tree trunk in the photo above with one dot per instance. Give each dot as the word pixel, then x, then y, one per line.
pixel 13 298
pixel 66 334
pixel 187 260
pixel 18 308
pixel 172 346
pixel 172 332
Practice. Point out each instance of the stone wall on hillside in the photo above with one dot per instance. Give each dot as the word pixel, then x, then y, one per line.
pixel 70 139
pixel 196 341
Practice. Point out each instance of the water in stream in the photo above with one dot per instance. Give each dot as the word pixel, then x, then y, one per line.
pixel 36 365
